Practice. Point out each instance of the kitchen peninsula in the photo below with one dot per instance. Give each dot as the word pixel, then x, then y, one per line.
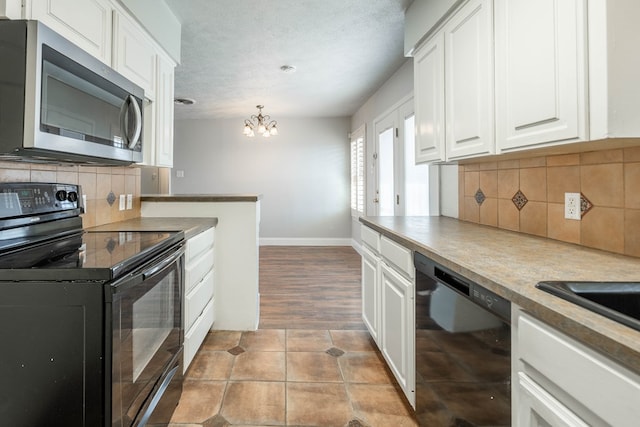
pixel 236 255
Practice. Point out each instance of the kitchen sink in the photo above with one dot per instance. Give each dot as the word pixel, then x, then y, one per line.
pixel 619 301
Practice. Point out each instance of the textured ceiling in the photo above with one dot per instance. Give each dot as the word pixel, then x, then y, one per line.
pixel 232 51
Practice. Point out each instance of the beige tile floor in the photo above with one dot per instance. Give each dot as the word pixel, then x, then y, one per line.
pixel 290 377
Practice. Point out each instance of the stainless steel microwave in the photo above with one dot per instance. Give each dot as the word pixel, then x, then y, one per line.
pixel 58 103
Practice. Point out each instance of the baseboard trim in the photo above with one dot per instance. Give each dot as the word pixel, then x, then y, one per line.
pixel 305 241
pixel 357 246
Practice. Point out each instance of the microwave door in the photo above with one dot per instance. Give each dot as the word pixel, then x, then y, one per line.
pixel 80 112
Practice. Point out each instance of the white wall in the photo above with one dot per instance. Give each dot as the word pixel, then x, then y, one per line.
pixel 303 174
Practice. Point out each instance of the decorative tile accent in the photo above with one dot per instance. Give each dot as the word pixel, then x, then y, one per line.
pixel 335 352
pixel 216 421
pixel 111 198
pixel 519 199
pixel 585 205
pixel 111 245
pixel 236 350
pixel 479 196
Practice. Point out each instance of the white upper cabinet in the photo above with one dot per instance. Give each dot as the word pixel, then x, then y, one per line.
pixel 107 31
pixel 428 68
pixel 469 81
pixel 540 72
pixel 164 112
pixel 453 78
pixel 85 23
pixel 134 55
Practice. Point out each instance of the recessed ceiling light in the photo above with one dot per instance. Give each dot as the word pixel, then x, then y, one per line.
pixel 288 68
pixel 184 101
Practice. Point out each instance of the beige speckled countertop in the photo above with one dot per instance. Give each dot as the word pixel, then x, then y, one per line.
pixel 510 264
pixel 200 197
pixel 190 226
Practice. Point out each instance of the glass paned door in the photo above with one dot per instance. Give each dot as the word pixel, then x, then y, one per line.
pixel 402 187
pixel 416 177
pixel 385 160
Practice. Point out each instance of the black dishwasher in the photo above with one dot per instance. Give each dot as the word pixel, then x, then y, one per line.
pixel 463 350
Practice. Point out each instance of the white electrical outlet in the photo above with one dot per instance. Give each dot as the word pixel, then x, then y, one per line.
pixel 123 202
pixel 572 206
pixel 129 201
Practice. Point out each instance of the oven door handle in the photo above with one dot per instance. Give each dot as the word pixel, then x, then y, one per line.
pixel 164 263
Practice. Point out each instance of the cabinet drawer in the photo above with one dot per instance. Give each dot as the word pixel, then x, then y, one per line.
pixel 199 244
pixel 370 238
pixel 196 270
pixel 577 370
pixel 398 255
pixel 197 299
pixel 196 335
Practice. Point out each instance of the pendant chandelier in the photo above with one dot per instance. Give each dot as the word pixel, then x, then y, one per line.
pixel 262 124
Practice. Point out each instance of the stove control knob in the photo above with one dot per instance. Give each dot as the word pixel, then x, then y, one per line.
pixel 61 195
pixel 72 196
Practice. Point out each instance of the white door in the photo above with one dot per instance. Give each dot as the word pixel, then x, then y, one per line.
pixel 402 187
pixel 385 157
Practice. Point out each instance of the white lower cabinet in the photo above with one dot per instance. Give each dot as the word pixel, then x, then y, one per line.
pixel 199 290
pixel 558 381
pixel 397 328
pixel 388 304
pixel 371 292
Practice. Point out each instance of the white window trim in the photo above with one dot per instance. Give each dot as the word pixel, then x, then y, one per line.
pixel 358 168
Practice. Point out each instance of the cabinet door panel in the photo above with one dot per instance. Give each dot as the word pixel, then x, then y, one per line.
pixel 370 293
pixel 397 330
pixel 429 101
pixel 134 55
pixel 540 70
pixel 469 81
pixel 85 23
pixel 164 131
pixel 537 408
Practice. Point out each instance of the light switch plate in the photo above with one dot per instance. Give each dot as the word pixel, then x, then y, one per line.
pixel 129 201
pixel 123 202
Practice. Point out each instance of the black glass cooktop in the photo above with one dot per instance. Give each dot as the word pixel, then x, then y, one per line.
pixel 99 256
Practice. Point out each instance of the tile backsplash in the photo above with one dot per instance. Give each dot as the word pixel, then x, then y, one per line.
pixel 527 195
pixel 97 183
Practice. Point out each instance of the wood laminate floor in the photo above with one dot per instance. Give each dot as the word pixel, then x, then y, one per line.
pixel 308 287
pixel 311 362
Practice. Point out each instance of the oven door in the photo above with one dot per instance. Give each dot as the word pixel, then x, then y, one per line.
pixel 147 340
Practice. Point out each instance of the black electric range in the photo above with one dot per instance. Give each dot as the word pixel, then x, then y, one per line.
pixel 91 322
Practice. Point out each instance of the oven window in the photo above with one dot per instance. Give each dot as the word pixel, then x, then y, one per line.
pixel 153 321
